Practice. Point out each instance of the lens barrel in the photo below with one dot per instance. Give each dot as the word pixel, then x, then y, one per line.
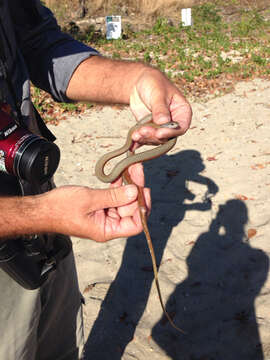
pixel 24 154
pixel 36 160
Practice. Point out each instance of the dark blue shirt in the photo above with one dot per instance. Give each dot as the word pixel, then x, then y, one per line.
pixel 35 49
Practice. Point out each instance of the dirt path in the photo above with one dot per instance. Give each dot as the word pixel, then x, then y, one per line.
pixel 210 225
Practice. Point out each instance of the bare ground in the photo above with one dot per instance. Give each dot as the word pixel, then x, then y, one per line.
pixel 210 226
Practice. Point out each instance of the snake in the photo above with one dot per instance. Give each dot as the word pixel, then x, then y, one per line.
pixel 121 169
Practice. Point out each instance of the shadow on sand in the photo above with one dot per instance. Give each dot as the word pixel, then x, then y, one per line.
pixel 215 304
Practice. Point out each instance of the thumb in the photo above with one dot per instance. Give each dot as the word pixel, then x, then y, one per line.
pixel 154 100
pixel 137 106
pixel 160 109
pixel 115 196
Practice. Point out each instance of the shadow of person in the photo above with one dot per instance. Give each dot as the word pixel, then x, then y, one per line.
pixel 215 303
pixel 128 294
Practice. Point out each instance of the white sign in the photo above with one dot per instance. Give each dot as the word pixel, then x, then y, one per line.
pixel 186 17
pixel 113 27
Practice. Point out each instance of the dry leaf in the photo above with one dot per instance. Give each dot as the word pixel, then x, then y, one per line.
pixel 257 166
pixel 251 233
pixel 105 146
pixel 211 158
pixel 88 288
pixel 241 197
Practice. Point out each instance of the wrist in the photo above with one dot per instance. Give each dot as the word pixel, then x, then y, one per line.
pixel 45 214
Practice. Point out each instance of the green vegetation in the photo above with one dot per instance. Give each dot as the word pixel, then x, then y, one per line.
pixel 206 58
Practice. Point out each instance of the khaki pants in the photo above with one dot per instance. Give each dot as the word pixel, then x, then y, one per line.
pixel 42 324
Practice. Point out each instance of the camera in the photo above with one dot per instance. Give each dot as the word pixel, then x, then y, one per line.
pixel 24 154
pixel 34 159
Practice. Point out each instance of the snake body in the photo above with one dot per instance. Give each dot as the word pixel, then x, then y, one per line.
pixel 121 169
pixel 132 158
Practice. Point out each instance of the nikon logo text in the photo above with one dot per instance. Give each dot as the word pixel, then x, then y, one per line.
pixel 10 130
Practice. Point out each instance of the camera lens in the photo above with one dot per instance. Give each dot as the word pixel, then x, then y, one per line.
pixel 37 160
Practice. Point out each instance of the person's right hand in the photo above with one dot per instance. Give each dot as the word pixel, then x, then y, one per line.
pixel 100 215
pixel 154 93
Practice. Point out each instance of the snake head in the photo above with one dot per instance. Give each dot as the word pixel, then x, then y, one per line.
pixel 148 137
pixel 170 125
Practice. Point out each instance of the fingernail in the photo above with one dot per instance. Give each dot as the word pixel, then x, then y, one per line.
pixel 131 191
pixel 163 119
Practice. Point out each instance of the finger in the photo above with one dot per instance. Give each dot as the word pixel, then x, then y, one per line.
pixel 127 210
pixel 113 213
pixel 146 135
pixel 181 113
pixel 160 109
pixel 130 209
pixel 178 110
pixel 137 174
pixel 127 226
pixel 160 113
pixel 118 182
pixel 113 197
pixel 147 197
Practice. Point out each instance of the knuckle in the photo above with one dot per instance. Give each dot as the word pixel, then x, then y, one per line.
pixel 113 196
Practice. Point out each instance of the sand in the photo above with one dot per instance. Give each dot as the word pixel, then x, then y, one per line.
pixel 210 226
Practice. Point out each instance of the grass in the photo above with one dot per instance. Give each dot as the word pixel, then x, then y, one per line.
pixel 203 60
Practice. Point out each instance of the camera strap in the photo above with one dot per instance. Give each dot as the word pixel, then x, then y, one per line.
pixel 42 127
pixel 45 132
pixel 6 76
pixel 3 70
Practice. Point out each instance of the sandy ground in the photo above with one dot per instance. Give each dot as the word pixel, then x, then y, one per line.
pixel 210 226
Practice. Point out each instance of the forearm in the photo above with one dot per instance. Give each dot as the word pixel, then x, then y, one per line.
pixel 24 215
pixel 99 79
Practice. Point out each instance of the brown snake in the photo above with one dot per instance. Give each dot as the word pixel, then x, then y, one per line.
pixel 122 169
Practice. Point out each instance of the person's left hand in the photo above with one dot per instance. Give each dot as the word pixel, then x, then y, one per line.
pixel 154 93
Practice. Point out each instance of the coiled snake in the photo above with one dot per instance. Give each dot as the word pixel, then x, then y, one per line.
pixel 121 169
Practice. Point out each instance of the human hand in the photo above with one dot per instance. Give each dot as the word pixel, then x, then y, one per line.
pixel 154 93
pixel 98 214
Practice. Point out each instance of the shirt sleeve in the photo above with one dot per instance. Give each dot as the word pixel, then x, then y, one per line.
pixel 51 56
